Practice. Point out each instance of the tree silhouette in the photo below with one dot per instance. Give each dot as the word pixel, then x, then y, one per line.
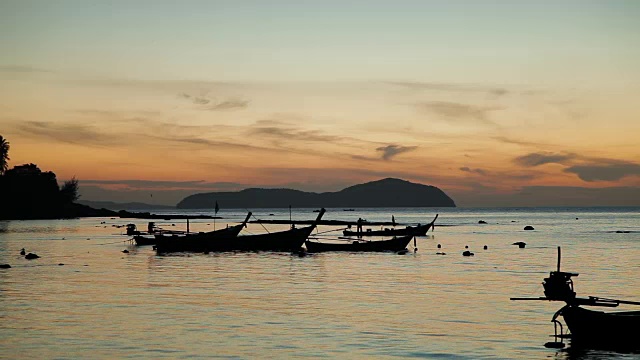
pixel 69 191
pixel 4 155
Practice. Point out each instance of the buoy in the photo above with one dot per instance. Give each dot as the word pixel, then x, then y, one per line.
pixel 439 246
pixel 485 247
pixel 529 227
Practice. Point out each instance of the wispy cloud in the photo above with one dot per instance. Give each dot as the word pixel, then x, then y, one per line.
pixel 420 86
pixel 68 133
pixel 229 105
pixel 390 151
pixel 604 172
pixel 284 132
pixel 458 112
pixel 474 171
pixel 213 104
pixel 541 158
pixel 165 184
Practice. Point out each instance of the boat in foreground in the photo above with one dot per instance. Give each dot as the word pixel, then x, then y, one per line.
pixel 418 230
pixel 197 242
pixel 616 330
pixel 288 240
pixel 394 244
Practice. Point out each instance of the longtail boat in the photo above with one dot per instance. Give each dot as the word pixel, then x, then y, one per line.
pixel 288 240
pixel 589 328
pixel 418 230
pixel 196 242
pixel 395 244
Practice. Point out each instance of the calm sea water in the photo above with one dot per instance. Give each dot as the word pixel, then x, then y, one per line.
pixel 105 304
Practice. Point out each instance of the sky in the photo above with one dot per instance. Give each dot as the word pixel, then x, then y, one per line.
pixel 497 103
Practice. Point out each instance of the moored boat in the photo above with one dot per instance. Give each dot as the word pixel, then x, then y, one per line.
pixel 393 244
pixel 197 242
pixel 589 328
pixel 418 230
pixel 288 240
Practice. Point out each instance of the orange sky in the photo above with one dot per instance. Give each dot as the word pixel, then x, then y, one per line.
pixel 476 121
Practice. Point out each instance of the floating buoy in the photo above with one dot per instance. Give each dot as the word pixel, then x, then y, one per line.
pixel 529 227
pixel 485 247
pixel 439 246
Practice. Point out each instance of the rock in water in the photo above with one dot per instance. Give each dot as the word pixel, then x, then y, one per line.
pixel 529 227
pixel 5 266
pixel 31 256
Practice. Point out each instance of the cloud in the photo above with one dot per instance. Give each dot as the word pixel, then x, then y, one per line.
pixel 475 171
pixel 288 133
pixel 229 105
pixel 604 172
pixel 498 91
pixel 549 196
pixel 206 103
pixel 507 140
pixel 458 112
pixel 390 151
pixel 69 133
pixel 541 158
pixel 165 184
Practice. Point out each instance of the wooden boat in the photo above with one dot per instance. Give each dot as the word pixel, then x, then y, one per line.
pixel 197 241
pixel 148 237
pixel 395 244
pixel 288 240
pixel 419 230
pixel 589 328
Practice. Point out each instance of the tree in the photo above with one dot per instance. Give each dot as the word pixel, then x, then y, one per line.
pixel 4 155
pixel 69 190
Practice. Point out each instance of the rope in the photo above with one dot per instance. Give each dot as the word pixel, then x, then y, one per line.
pixel 115 242
pixel 324 232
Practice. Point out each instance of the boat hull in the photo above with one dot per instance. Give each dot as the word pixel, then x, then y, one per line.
pixel 395 244
pixel 196 242
pixel 602 329
pixel 419 230
pixel 143 240
pixel 290 240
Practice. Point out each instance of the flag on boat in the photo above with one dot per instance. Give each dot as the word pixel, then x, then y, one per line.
pixel 217 207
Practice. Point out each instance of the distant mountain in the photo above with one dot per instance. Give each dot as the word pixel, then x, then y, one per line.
pixel 122 206
pixel 382 193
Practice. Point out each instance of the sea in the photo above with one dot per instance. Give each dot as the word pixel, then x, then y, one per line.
pixel 88 298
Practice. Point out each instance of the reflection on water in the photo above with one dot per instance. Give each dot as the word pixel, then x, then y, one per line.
pixel 103 303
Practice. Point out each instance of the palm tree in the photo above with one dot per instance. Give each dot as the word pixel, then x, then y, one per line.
pixel 4 155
